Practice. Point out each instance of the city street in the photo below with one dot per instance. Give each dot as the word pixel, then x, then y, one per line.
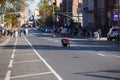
pixel 37 56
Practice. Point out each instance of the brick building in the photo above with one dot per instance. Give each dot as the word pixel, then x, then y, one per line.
pixel 99 14
pixel 58 2
pixel 69 7
pixel 103 14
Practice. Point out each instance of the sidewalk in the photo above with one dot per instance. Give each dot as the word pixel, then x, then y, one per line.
pixel 102 38
pixel 88 37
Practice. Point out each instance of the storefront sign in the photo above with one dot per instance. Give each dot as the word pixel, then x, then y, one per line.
pixel 115 16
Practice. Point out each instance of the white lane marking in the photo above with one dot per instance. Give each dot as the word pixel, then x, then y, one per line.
pixel 101 54
pixel 16 42
pixel 15 45
pixel 13 55
pixel 116 56
pixel 24 54
pixel 55 41
pixel 31 75
pixel 10 63
pixel 51 69
pixel 26 61
pixel 5 42
pixel 8 75
pixel 50 39
pixel 13 50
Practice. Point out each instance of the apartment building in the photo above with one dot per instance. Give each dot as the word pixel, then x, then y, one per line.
pixel 77 11
pixel 100 14
pixel 113 13
pixel 69 8
pixel 105 14
pixel 85 13
pixel 90 14
pixel 24 16
pixel 96 13
pixel 58 2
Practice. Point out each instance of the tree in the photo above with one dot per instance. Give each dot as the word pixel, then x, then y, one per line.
pixel 46 12
pixel 2 2
pixel 18 6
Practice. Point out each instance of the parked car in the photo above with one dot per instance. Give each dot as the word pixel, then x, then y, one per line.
pixel 43 29
pixel 112 34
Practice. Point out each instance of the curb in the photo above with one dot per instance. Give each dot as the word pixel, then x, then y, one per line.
pixel 90 38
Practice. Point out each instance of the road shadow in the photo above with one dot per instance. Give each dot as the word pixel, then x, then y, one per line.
pixel 99 74
pixel 95 42
pixel 38 47
pixel 96 45
pixel 59 47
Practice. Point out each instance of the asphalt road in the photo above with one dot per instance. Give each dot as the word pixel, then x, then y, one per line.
pixel 37 56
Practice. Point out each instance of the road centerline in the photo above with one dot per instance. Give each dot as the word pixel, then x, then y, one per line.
pixel 13 55
pixel 8 75
pixel 10 64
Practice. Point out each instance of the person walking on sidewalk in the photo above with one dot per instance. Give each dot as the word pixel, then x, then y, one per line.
pixel 99 33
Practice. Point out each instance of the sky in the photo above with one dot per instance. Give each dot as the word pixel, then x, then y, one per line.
pixel 33 5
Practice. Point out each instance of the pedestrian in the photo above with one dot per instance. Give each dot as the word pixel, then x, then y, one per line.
pixel 20 32
pixel 96 35
pixel 24 32
pixel 11 33
pixel 16 33
pixel 99 33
